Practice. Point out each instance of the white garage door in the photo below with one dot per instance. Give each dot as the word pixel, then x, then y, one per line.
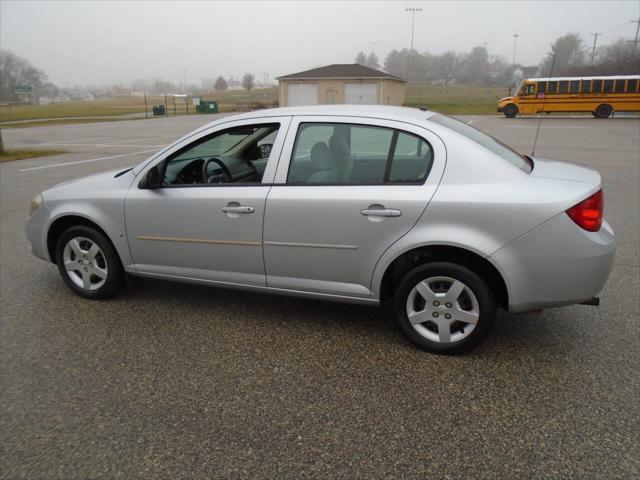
pixel 361 93
pixel 302 94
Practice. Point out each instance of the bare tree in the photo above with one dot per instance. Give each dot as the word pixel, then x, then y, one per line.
pixel 15 70
pixel 569 56
pixel 248 81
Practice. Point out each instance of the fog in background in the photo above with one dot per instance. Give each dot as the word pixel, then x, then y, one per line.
pixel 78 43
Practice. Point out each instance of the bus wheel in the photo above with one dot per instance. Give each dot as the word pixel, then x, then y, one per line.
pixel 603 111
pixel 510 111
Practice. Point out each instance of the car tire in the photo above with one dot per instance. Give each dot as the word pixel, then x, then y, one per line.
pixel 603 111
pixel 444 308
pixel 510 111
pixel 89 264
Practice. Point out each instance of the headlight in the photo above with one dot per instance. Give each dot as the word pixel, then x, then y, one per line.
pixel 35 204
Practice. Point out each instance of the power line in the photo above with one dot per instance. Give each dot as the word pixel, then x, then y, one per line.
pixel 635 42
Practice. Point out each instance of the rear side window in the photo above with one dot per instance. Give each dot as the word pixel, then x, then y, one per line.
pixel 553 87
pixel 619 86
pixel 574 87
pixel 350 154
pixel 608 86
pixel 632 85
pixel 597 86
pixel 485 140
pixel 586 86
pixel 542 87
pixel 564 86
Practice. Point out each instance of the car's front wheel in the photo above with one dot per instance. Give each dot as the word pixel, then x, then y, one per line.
pixel 88 263
pixel 444 307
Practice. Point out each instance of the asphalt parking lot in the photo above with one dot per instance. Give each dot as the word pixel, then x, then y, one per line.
pixel 176 381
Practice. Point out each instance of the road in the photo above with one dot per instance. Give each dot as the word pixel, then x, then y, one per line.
pixel 178 381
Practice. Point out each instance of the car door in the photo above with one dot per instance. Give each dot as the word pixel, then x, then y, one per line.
pixel 339 201
pixel 191 228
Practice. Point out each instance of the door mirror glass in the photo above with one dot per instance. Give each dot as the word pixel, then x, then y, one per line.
pixel 153 178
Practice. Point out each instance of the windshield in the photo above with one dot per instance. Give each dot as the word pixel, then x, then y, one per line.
pixel 485 140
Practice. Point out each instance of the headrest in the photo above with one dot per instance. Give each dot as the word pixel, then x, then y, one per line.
pixel 338 146
pixel 321 157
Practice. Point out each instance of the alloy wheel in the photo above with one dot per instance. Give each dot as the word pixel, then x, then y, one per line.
pixel 443 309
pixel 85 263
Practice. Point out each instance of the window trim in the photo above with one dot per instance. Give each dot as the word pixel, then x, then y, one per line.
pixel 390 155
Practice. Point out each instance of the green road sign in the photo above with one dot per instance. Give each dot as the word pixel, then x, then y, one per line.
pixel 23 88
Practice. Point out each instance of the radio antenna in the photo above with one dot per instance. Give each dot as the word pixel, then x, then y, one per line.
pixel 544 100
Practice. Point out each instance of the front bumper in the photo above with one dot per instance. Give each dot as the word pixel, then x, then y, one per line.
pixel 36 229
pixel 556 264
pixel 500 109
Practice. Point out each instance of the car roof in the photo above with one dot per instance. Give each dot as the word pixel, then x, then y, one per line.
pixel 406 114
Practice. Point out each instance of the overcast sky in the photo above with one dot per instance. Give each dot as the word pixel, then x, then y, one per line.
pixel 96 42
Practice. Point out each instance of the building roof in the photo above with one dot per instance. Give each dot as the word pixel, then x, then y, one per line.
pixel 340 70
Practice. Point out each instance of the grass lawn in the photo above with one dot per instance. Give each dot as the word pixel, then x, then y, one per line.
pixel 453 99
pixel 10 155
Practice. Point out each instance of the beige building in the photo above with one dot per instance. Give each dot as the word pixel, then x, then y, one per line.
pixel 341 83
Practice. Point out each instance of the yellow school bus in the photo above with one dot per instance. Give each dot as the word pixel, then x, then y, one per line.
pixel 599 95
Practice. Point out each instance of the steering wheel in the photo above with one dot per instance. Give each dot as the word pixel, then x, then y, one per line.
pixel 220 178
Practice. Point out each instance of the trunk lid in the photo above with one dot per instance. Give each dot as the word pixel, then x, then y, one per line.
pixel 543 168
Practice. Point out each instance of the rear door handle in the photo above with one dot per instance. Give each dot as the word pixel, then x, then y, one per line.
pixel 239 209
pixel 386 212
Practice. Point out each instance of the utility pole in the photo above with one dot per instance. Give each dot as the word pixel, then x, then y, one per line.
pixel 593 51
pixel 515 42
pixel 635 42
pixel 184 81
pixel 265 79
pixel 413 19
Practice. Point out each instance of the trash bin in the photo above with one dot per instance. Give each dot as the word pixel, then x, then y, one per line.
pixel 158 110
pixel 207 107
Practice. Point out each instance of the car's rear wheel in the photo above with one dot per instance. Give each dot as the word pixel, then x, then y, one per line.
pixel 603 111
pixel 510 111
pixel 88 263
pixel 444 307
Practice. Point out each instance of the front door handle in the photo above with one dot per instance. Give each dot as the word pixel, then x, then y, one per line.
pixel 238 209
pixel 384 212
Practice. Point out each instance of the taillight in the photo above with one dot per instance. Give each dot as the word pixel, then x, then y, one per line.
pixel 588 213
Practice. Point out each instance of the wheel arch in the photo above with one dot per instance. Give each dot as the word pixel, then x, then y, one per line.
pixel 63 223
pixel 430 253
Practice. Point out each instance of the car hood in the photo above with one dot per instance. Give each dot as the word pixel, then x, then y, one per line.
pixel 544 168
pixel 505 99
pixel 91 186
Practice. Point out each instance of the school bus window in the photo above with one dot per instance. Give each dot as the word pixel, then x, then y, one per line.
pixel 529 89
pixel 586 86
pixel 542 87
pixel 553 87
pixel 564 86
pixel 597 86
pixel 574 86
pixel 608 86
pixel 632 85
pixel 619 88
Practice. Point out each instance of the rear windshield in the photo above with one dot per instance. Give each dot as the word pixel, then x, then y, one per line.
pixel 485 140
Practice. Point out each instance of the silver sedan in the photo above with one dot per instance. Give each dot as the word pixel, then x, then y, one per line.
pixel 363 204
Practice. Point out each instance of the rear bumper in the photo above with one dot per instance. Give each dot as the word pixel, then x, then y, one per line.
pixel 556 264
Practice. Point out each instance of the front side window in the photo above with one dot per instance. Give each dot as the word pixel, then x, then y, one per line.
pixel 542 87
pixel 529 89
pixel 485 140
pixel 350 154
pixel 235 155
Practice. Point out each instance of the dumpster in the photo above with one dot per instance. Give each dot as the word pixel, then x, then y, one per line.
pixel 158 110
pixel 207 107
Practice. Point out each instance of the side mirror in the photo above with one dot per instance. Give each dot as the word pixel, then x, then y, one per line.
pixel 152 180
